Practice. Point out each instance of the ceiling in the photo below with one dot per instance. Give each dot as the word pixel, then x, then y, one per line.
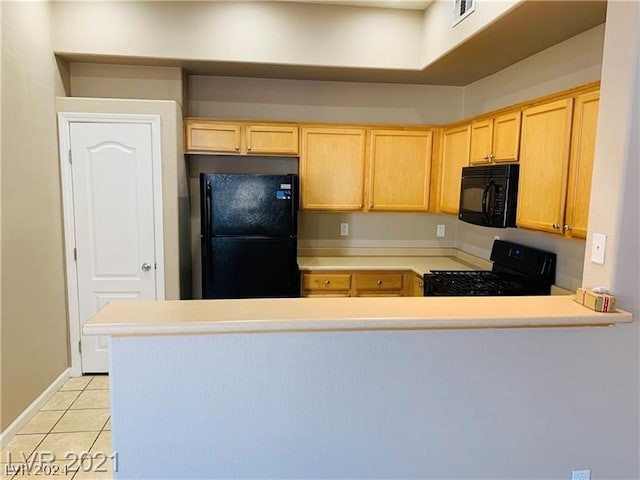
pixel 527 29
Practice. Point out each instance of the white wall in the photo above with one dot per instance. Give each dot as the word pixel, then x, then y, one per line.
pixel 314 101
pixel 264 32
pixel 573 62
pixel 34 336
pixel 440 36
pixel 483 404
pixel 126 81
pixel 614 198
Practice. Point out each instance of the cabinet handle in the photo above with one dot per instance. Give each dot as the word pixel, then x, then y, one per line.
pixel 420 285
pixel 237 147
pixel 327 282
pixel 249 147
pixel 379 282
pixel 486 157
pixel 556 226
pixel 567 228
pixel 491 156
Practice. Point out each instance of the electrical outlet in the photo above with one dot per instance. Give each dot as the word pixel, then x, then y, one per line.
pixel 598 247
pixel 440 231
pixel 581 475
pixel 344 229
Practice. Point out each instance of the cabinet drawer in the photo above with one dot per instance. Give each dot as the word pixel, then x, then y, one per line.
pixel 378 281
pixel 326 282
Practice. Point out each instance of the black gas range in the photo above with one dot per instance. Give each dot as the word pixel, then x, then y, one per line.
pixel 517 270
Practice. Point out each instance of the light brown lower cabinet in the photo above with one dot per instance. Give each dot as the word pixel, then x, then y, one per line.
pixel 360 283
pixel 417 285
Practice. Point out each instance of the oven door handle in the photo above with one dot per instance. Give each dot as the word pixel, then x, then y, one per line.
pixel 485 211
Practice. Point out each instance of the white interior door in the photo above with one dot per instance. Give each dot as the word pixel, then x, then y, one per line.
pixel 113 209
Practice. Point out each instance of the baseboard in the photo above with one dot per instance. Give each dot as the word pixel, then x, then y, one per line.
pixel 31 410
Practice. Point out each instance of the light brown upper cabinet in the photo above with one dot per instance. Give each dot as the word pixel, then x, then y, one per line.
pixel 585 119
pixel 544 162
pixel 455 155
pixel 495 139
pixel 332 163
pixel 209 136
pixel 399 170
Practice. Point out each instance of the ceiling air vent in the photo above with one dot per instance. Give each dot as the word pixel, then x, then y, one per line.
pixel 463 8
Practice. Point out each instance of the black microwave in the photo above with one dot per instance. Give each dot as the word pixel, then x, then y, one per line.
pixel 488 195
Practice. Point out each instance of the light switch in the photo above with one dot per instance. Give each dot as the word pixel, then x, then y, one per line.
pixel 598 247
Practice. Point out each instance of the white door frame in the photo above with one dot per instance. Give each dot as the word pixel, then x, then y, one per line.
pixel 64 122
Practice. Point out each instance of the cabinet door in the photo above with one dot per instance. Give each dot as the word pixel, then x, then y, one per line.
pixel 332 168
pixel 418 286
pixel 544 160
pixel 272 139
pixel 455 155
pixel 585 121
pixel 400 170
pixel 212 137
pixel 506 137
pixel 481 140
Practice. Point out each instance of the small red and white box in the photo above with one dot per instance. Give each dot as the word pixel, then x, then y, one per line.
pixel 600 302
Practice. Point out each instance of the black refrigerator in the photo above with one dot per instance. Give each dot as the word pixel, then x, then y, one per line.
pixel 249 236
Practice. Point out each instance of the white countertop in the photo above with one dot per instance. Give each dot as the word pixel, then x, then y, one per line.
pixel 334 314
pixel 417 264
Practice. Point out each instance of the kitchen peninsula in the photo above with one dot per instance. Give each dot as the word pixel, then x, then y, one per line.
pixel 317 387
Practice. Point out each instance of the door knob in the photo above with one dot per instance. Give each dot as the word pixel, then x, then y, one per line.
pixel 146 267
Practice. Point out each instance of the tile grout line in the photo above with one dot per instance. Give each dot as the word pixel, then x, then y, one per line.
pixel 35 449
pixel 63 414
pixel 65 411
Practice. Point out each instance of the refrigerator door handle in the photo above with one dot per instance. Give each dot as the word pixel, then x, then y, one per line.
pixel 294 205
pixel 207 212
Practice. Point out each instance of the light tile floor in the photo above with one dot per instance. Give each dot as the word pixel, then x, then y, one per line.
pixel 69 438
